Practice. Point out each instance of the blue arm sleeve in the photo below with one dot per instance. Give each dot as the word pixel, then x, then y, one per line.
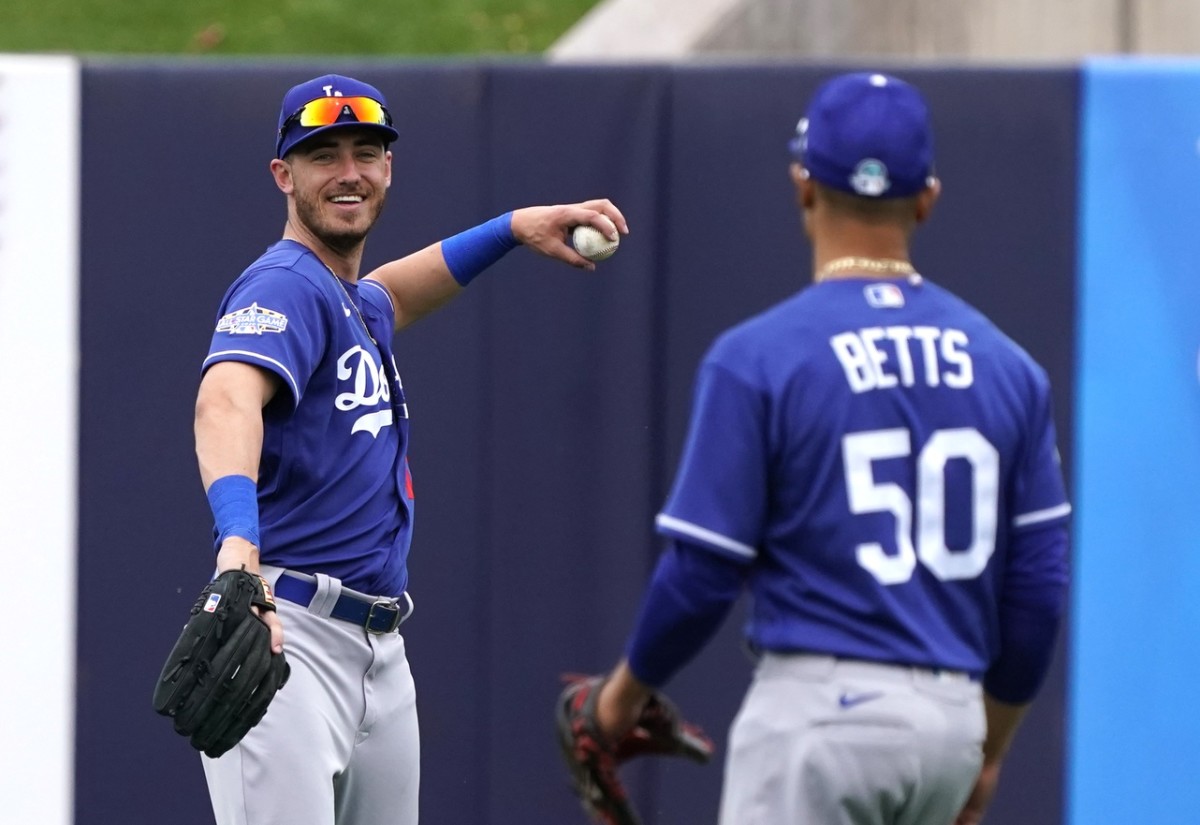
pixel 1031 608
pixel 689 596
pixel 470 252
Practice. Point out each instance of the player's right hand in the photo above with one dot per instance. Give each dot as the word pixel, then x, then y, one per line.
pixel 546 229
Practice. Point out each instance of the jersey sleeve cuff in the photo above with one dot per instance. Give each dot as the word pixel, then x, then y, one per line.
pixel 1040 518
pixel 257 360
pixel 678 528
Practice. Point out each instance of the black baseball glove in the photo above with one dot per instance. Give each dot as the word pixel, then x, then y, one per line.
pixel 221 674
pixel 593 760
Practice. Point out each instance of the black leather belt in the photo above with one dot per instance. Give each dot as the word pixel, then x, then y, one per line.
pixel 372 614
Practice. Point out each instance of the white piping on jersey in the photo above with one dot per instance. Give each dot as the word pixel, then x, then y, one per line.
pixel 1041 515
pixel 286 373
pixel 705 535
pixel 386 292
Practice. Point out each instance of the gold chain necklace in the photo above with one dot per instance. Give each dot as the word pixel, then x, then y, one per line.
pixel 357 311
pixel 867 266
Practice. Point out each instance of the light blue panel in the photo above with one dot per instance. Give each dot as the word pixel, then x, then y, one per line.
pixel 1134 733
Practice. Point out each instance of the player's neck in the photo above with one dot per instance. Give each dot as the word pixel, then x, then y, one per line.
pixel 854 260
pixel 855 266
pixel 345 265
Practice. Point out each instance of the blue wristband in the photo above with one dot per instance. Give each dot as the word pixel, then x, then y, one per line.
pixel 469 253
pixel 234 503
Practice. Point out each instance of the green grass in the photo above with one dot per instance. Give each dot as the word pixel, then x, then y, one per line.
pixel 286 27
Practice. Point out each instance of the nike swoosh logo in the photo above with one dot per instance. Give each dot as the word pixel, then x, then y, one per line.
pixel 346 310
pixel 849 700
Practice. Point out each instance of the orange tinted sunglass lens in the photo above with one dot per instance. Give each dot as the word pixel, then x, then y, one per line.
pixel 326 110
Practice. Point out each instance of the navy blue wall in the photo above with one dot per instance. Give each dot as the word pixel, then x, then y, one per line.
pixel 548 405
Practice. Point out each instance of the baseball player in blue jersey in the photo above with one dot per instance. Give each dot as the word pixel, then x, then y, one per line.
pixel 302 439
pixel 875 462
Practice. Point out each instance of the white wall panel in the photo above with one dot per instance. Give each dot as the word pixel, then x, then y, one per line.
pixel 39 363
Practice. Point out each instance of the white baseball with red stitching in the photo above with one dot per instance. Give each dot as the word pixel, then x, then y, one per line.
pixel 591 243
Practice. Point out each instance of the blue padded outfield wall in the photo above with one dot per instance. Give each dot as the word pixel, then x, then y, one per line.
pixel 549 405
pixel 1136 658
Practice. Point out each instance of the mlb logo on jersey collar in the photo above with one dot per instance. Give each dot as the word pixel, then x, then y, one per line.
pixel 884 296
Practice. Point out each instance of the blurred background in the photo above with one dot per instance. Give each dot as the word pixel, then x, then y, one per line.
pixel 548 406
pixel 1002 30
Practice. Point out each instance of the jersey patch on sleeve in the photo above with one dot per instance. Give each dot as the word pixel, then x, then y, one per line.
pixel 253 320
pixel 884 296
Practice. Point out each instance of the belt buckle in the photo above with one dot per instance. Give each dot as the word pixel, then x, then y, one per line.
pixel 397 617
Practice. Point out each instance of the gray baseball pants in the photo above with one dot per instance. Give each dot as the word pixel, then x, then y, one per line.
pixel 339 744
pixel 822 741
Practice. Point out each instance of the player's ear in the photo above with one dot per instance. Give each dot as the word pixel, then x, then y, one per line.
pixel 927 197
pixel 387 155
pixel 281 170
pixel 805 190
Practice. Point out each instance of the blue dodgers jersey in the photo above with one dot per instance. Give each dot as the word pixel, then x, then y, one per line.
pixel 334 493
pixel 869 447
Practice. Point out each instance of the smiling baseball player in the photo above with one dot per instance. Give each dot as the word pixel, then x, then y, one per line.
pixel 875 461
pixel 302 438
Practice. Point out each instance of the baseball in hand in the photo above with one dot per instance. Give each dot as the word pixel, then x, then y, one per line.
pixel 591 243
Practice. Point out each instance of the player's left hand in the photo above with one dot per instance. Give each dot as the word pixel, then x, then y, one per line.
pixel 593 759
pixel 547 229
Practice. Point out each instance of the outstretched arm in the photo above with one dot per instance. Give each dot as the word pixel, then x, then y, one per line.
pixel 426 280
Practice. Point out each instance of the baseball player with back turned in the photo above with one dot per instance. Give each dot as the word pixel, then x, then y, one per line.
pixel 876 463
pixel 302 440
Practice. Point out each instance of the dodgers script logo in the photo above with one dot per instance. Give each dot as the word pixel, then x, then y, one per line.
pixel 370 387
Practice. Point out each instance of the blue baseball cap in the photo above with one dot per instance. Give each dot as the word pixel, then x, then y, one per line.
pixel 313 107
pixel 868 134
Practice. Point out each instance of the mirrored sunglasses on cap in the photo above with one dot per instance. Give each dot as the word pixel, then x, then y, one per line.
pixel 326 111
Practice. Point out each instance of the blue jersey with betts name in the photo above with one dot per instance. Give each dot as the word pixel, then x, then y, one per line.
pixel 868 447
pixel 334 491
